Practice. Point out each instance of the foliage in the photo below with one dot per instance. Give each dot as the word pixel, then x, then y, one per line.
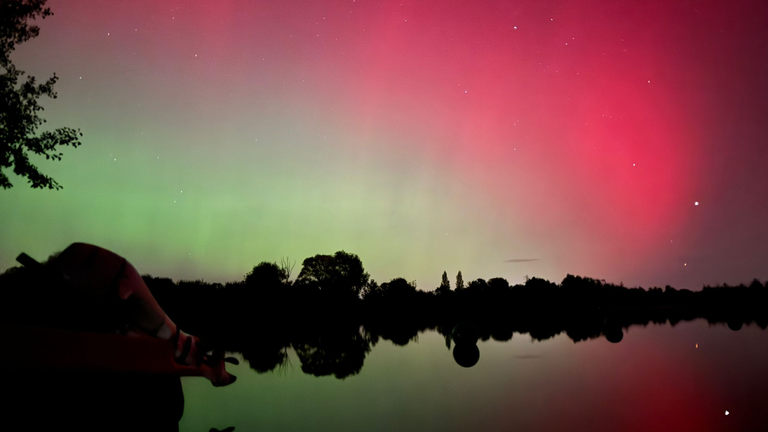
pixel 340 274
pixel 267 273
pixel 445 285
pixel 477 285
pixel 341 355
pixel 331 338
pixel 498 284
pixel 19 107
pixel 398 288
pixel 371 290
pixel 459 281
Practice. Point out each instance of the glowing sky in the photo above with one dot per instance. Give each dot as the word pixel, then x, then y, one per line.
pixel 573 137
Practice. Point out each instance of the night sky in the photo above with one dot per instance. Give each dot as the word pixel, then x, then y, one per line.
pixel 622 140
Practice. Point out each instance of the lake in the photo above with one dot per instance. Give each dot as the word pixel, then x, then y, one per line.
pixel 689 377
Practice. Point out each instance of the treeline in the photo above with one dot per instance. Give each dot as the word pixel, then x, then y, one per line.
pixel 333 313
pixel 336 287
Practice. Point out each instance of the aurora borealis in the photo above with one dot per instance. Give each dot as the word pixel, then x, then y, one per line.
pixel 495 138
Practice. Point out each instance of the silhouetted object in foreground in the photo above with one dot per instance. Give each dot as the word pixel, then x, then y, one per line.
pixel 103 299
pixel 324 319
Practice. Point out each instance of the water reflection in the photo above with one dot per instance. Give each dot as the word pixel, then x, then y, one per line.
pixel 340 350
pixel 330 336
pixel 465 353
pixel 324 350
pixel 654 373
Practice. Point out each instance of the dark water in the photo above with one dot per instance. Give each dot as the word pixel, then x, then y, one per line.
pixel 658 378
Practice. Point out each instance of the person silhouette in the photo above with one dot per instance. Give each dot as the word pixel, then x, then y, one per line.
pixel 111 283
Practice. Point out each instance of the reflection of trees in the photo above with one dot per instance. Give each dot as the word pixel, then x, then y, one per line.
pixel 502 333
pixel 396 311
pixel 337 354
pixel 331 328
pixel 265 358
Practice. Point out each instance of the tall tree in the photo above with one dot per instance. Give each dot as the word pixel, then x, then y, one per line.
pixel 19 108
pixel 459 281
pixel 445 285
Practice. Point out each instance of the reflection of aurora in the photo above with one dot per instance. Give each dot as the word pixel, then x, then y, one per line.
pixel 333 334
pixel 340 351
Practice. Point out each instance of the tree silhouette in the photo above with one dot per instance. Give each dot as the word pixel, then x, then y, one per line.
pixel 478 285
pixel 341 274
pixel 498 284
pixel 287 265
pixel 398 288
pixel 19 108
pixel 268 274
pixel 371 290
pixel 445 285
pixel 459 281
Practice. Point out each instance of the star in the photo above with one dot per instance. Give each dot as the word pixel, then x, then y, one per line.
pixel 696 203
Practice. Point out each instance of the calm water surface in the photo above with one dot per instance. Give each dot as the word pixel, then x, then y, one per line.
pixel 658 378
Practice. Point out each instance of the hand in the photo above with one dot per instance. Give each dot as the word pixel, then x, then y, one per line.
pixel 213 368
